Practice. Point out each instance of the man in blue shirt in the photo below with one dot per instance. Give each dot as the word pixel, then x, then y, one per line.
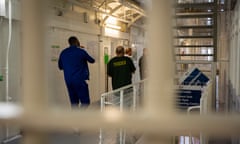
pixel 73 61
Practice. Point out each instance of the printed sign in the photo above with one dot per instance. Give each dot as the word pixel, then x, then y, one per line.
pixel 187 98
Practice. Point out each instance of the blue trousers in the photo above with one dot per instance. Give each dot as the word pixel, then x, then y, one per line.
pixel 78 93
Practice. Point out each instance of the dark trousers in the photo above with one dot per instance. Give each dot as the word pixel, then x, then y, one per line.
pixel 78 93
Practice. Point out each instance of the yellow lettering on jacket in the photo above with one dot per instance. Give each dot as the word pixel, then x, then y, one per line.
pixel 119 63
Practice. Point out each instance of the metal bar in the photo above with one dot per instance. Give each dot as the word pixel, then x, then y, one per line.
pixel 194 37
pixel 206 15
pixel 111 12
pixel 195 5
pixel 121 140
pixel 215 50
pixel 123 88
pixel 193 46
pixel 193 54
pixel 33 68
pixel 102 108
pixel 122 133
pixel 33 84
pixel 8 140
pixel 215 29
pixel 193 62
pixel 204 71
pixel 194 27
pixel 134 97
pixel 121 100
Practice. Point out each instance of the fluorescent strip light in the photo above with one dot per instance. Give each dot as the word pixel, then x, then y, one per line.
pixel 111 32
pixel 113 26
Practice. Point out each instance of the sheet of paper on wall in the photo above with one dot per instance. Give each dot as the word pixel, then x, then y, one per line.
pixel 92 49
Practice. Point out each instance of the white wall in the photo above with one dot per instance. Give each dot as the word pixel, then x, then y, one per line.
pixel 92 36
pixel 60 28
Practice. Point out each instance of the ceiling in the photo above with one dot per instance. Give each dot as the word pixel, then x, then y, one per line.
pixel 126 11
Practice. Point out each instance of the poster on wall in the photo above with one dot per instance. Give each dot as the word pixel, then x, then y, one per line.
pixel 55 52
pixel 92 49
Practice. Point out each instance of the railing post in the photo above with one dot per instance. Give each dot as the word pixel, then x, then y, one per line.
pixel 134 98
pixel 102 102
pixel 121 110
pixel 102 108
pixel 132 94
pixel 121 100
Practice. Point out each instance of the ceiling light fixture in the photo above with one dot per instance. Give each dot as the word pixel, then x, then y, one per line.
pixel 113 26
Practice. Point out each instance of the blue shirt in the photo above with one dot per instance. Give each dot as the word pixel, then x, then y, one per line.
pixel 73 61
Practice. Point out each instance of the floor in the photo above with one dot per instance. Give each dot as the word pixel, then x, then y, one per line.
pixel 108 137
pixel 82 137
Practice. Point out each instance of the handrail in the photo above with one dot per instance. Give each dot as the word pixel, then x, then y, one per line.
pixel 120 102
pixel 124 87
pixel 133 85
pixel 203 107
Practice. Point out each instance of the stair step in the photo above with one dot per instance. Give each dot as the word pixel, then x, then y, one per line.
pixel 192 46
pixel 194 15
pixel 195 5
pixel 193 54
pixel 194 27
pixel 194 37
